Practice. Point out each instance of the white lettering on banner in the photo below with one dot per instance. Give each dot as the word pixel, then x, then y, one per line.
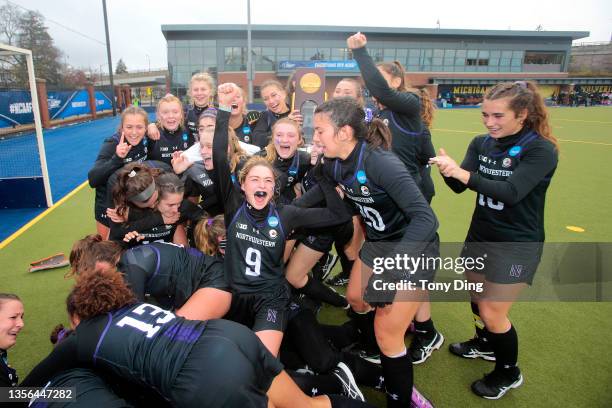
pixel 20 107
pixel 99 101
pixel 79 104
pixel 53 103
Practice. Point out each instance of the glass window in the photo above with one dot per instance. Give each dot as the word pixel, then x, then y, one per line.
pixel 427 53
pixel 494 62
pixel 461 54
pixel 471 61
pixel 437 61
pixel 171 43
pixel 196 56
pixel 495 54
pixel 472 53
pixel 516 62
pixel 413 68
pixel 438 52
pixel 448 68
pixel 437 68
pixel 517 54
pixel 389 54
pixel 377 54
pixel 449 61
pixel 449 54
pixel 483 61
pixel 341 54
pixel 482 69
pixel 172 55
pixel 493 68
pixel 414 53
pixel 459 61
pixel 195 43
pixel 414 60
pixel 515 69
pixel 182 43
pixel 311 54
pixel 504 63
pixel 209 43
pixel 401 53
pixel 210 56
pixel 506 54
pixel 483 54
pixel 182 55
pixel 297 54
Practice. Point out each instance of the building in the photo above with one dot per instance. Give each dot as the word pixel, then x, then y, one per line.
pixel 446 61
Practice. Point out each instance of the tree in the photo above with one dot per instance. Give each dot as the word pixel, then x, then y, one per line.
pixel 9 23
pixel 74 78
pixel 121 67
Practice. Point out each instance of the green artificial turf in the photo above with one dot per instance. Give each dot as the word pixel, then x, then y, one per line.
pixel 563 346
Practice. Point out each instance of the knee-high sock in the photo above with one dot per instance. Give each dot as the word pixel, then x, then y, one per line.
pixel 398 380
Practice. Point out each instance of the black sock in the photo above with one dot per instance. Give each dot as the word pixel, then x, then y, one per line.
pixel 340 401
pixel 320 384
pixel 481 332
pixel 318 291
pixel 346 264
pixel 505 347
pixel 341 336
pixel 365 372
pixel 365 328
pixel 425 329
pixel 398 380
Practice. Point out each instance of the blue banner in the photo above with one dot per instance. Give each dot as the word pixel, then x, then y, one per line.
pixel 343 66
pixel 16 106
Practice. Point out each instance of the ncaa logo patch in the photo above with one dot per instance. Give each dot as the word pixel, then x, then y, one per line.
pixel 515 150
pixel 507 162
pixel 361 177
pixel 365 191
pixel 273 234
pixel 246 130
pixel 185 137
pixel 273 221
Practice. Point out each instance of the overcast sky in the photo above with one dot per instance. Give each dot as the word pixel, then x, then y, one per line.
pixel 135 25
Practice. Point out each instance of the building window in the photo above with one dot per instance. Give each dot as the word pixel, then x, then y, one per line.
pixel 235 59
pixel 536 57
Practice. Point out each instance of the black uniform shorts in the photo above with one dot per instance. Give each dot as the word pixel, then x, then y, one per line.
pixel 505 262
pixel 322 242
pixel 263 310
pixel 227 367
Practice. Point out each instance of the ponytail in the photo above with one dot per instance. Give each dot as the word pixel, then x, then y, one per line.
pixel 378 134
pixel 207 233
pixel 132 180
pixel 396 70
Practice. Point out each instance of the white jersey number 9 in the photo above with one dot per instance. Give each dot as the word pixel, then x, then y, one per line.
pixel 253 260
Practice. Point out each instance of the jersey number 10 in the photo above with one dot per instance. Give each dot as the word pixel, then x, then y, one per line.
pixel 371 217
pixel 494 205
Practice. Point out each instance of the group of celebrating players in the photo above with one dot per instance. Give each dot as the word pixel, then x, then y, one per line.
pixel 215 236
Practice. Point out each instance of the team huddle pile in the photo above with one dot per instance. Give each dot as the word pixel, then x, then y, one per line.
pixel 203 283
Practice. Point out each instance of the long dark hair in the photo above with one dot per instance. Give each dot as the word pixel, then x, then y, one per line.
pixel 132 180
pixel 347 111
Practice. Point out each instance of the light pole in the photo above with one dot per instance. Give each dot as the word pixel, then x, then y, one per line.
pixel 110 62
pixel 249 62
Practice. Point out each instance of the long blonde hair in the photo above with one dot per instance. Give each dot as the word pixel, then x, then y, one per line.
pixel 271 153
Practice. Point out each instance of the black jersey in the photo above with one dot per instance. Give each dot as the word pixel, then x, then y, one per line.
pixel 379 186
pixel 401 113
pixel 192 114
pixel 511 176
pixel 254 253
pixel 243 131
pixel 263 128
pixel 198 183
pixel 8 375
pixel 145 344
pixel 170 142
pixel 108 163
pixel 290 172
pixel 169 273
pixel 263 229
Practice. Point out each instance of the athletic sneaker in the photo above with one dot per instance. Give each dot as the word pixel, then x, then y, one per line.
pixel 495 384
pixel 421 348
pixel 327 264
pixel 473 348
pixel 418 400
pixel 371 356
pixel 340 279
pixel 345 376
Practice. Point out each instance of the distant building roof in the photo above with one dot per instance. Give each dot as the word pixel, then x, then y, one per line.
pixel 574 35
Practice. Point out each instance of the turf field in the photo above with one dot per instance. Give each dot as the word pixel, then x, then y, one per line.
pixel 563 349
